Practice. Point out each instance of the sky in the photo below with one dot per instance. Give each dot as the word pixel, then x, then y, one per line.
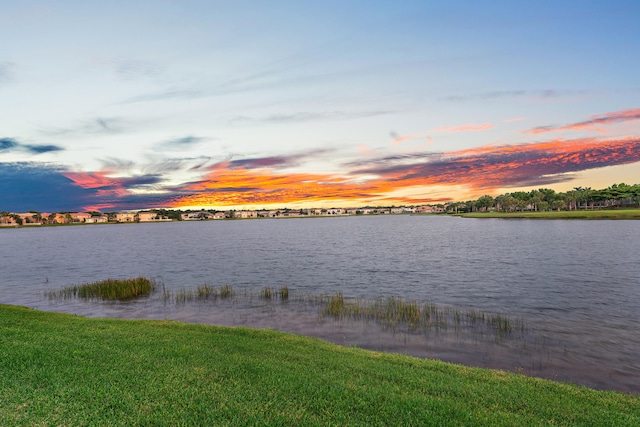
pixel 111 106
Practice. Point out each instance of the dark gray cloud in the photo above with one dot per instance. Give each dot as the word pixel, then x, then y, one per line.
pixel 11 144
pixel 28 186
pixel 200 163
pixel 281 162
pixel 184 141
pixel 265 162
pixel 39 149
pixel 140 181
pixel 7 144
pixel 396 158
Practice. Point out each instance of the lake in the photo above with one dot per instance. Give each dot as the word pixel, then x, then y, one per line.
pixel 575 284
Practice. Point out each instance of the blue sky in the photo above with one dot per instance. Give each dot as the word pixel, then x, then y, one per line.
pixel 270 104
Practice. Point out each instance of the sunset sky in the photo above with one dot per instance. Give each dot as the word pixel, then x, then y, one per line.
pixel 248 104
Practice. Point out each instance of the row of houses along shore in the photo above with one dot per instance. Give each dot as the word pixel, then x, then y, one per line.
pixel 13 219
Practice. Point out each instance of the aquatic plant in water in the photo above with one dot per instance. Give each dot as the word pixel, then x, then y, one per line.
pixel 390 311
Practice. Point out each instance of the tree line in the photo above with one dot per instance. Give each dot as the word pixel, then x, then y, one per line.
pixel 545 199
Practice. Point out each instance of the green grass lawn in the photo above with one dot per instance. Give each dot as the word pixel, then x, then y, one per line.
pixel 60 369
pixel 581 214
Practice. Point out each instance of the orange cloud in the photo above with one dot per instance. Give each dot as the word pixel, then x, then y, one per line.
pixel 403 138
pixel 492 167
pixel 595 124
pixel 245 187
pixel 364 149
pixel 397 178
pixel 480 169
pixel 90 179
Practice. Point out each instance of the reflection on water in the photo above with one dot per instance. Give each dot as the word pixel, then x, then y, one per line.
pixel 575 283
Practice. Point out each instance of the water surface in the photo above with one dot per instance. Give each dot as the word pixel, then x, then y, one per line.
pixel 576 283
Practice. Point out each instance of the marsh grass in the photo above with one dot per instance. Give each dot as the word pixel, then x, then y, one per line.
pixel 109 289
pixel 267 293
pixel 202 293
pixel 397 313
pixel 391 312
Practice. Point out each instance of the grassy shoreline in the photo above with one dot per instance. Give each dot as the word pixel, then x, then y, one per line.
pixel 581 214
pixel 61 369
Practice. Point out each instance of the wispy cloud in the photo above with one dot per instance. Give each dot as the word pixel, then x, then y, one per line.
pixel 11 144
pixel 7 71
pixel 517 93
pixel 97 125
pixel 465 128
pixel 595 124
pixel 309 116
pixel 397 139
pixel 278 162
pixel 185 140
pixel 129 69
pixel 182 143
pixel 168 94
pixel 365 149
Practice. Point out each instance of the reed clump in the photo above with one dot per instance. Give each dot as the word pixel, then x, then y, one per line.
pixel 201 293
pixel 266 293
pixel 226 291
pixel 109 289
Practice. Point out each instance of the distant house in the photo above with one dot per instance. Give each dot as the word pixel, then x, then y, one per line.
pixel 245 214
pixel 7 221
pixel 79 216
pixel 335 211
pixel 97 219
pixel 290 213
pixel 126 217
pixel 30 218
pixel 196 216
pixel 429 209
pixel 219 215
pixel 147 216
pixel 267 214
pixel 62 218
